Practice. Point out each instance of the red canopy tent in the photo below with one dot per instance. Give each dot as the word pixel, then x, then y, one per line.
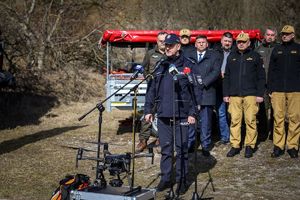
pixel 143 36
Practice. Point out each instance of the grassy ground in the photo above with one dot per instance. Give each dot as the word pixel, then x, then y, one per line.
pixel 33 158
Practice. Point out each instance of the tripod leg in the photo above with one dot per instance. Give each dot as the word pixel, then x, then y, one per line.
pixel 211 181
pixel 195 193
pixel 195 196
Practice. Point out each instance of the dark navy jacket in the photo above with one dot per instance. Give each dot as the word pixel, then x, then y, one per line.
pixel 160 91
pixel 284 71
pixel 244 74
pixel 208 70
pixel 188 50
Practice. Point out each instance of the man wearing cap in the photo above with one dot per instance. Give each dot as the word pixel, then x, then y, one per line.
pixel 151 58
pixel 284 89
pixel 169 89
pixel 185 39
pixel 264 114
pixel 243 88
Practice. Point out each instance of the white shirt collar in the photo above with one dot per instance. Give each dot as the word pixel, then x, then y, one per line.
pixel 203 53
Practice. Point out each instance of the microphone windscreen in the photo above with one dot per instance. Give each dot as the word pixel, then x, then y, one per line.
pixel 187 70
pixel 173 69
pixel 138 68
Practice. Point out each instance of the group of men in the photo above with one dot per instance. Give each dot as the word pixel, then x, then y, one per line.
pixel 191 81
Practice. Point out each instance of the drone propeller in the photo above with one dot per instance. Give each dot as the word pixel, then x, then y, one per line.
pixel 76 148
pixel 105 143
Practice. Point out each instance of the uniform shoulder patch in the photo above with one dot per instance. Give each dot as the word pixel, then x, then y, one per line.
pixel 279 52
pixel 294 52
pixel 154 56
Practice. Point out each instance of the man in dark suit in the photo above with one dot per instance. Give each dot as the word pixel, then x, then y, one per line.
pixel 206 70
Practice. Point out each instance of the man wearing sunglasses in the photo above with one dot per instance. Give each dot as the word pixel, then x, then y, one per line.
pixel 284 90
pixel 186 47
pixel 243 88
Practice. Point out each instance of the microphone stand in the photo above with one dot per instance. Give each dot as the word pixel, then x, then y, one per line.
pixel 171 193
pixel 101 109
pixel 198 107
pixel 134 114
pixel 191 88
pixel 150 154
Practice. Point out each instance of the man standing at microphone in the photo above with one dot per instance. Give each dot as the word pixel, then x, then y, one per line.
pixel 169 89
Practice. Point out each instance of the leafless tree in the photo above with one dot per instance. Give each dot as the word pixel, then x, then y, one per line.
pixel 44 30
pixel 62 35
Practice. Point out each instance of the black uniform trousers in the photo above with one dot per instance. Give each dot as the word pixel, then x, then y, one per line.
pixel 166 138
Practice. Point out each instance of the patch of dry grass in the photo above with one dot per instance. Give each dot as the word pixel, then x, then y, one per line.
pixel 35 157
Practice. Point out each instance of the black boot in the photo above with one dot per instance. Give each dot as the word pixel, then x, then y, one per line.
pixel 249 152
pixel 162 186
pixel 233 151
pixel 181 188
pixel 293 153
pixel 277 152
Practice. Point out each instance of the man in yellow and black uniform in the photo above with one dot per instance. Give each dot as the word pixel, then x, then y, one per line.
pixel 284 89
pixel 243 88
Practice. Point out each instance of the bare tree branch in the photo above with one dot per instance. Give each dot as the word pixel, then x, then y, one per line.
pixel 31 7
pixel 29 12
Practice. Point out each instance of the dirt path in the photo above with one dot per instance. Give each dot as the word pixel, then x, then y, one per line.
pixel 35 157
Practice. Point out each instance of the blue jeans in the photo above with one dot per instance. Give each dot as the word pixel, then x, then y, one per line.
pixel 223 122
pixel 204 125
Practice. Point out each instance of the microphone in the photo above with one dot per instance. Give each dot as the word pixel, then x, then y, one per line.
pixel 138 69
pixel 173 71
pixel 187 72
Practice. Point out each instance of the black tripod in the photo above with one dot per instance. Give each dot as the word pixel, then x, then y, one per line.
pixel 197 108
pixel 210 181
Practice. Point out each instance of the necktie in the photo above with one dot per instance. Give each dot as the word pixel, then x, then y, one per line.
pixel 200 57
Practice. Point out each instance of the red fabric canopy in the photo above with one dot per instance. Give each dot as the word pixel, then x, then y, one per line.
pixel 132 36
